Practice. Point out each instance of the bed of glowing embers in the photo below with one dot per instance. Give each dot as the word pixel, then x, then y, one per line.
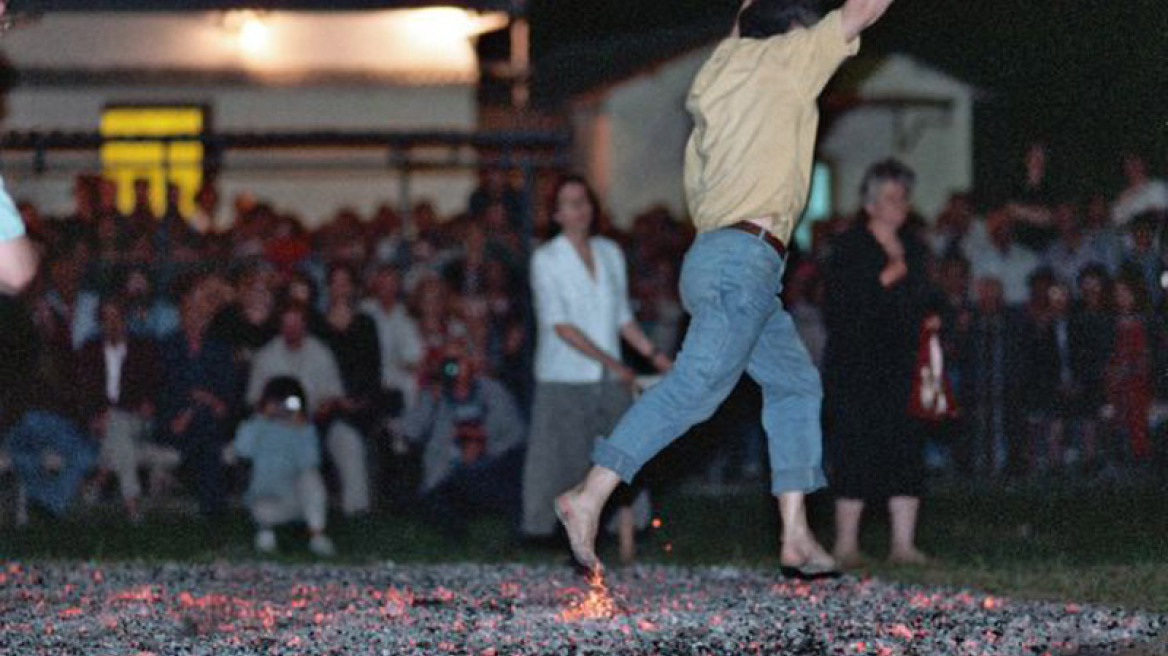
pixel 486 610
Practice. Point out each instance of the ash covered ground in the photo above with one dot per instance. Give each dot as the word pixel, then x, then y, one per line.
pixel 481 610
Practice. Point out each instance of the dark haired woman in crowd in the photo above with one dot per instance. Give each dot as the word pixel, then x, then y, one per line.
pixel 582 311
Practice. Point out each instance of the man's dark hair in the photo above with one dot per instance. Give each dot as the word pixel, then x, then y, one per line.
pixel 767 18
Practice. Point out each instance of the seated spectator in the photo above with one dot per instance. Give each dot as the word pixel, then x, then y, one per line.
pixel 295 353
pixel 73 307
pixel 37 401
pixel 147 314
pixel 118 376
pixel 352 337
pixel 473 437
pixel 247 323
pixel 285 484
pixel 397 334
pixel 198 393
pixel 39 432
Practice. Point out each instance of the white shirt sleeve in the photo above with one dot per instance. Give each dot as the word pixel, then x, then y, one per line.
pixel 551 308
pixel 11 225
pixel 328 377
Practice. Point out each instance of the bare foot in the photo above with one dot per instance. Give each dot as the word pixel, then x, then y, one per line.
pixel 581 525
pixel 907 556
pixel 850 559
pixel 804 553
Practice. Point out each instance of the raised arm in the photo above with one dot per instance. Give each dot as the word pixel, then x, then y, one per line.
pixel 859 15
pixel 734 32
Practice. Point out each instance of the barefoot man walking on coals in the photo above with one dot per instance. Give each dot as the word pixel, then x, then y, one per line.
pixel 747 170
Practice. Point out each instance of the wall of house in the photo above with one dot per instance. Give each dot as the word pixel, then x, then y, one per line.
pixel 649 127
pixel 641 161
pixel 69 76
pixel 312 183
pixel 936 143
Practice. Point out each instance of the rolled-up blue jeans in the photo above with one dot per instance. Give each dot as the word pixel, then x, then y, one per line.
pixel 730 282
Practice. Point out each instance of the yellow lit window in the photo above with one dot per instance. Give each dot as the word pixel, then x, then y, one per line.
pixel 159 162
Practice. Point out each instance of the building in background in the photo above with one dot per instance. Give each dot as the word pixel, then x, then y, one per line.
pixel 246 71
pixel 631 133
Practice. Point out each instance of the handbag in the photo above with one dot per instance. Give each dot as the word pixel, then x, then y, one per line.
pixel 932 397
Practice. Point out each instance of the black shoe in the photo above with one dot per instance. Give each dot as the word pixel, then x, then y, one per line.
pixel 809 572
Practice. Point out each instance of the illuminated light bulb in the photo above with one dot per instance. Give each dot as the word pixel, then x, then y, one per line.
pixel 254 35
pixel 656 523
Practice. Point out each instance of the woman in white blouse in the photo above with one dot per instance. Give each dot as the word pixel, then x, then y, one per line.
pixel 580 284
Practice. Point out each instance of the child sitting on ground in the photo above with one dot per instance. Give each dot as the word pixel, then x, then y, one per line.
pixel 284 449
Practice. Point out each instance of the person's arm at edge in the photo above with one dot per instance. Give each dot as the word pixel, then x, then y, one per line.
pixel 18 264
pixel 859 15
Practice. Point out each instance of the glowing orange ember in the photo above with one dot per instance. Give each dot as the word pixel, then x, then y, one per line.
pixel 597 604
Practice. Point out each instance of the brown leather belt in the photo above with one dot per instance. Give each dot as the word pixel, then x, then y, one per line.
pixel 759 231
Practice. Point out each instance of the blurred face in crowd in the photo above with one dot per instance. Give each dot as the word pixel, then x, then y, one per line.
pixel 1093 291
pixel 425 217
pixel 1060 300
pixel 1125 297
pixel 386 286
pixel 953 278
pixel 300 289
pixel 889 206
pixel 196 308
pixel 341 286
pixel 1000 228
pixel 1098 213
pixel 431 296
pixel 1135 169
pixel 207 197
pixel 988 293
pixel 495 216
pixel 137 286
pixel 107 195
pixel 84 195
pixel 293 327
pixel 1066 219
pixel 141 192
pixel 113 323
pixel 574 211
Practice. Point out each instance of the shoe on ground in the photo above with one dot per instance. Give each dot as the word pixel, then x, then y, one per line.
pixel 265 542
pixel 322 546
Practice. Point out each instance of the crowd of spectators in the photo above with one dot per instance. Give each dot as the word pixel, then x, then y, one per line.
pixel 1054 331
pixel 148 339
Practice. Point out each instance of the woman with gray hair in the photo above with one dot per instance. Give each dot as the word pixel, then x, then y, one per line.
pixel 876 292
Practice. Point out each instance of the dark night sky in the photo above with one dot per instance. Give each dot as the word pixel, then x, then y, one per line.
pixel 1090 77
